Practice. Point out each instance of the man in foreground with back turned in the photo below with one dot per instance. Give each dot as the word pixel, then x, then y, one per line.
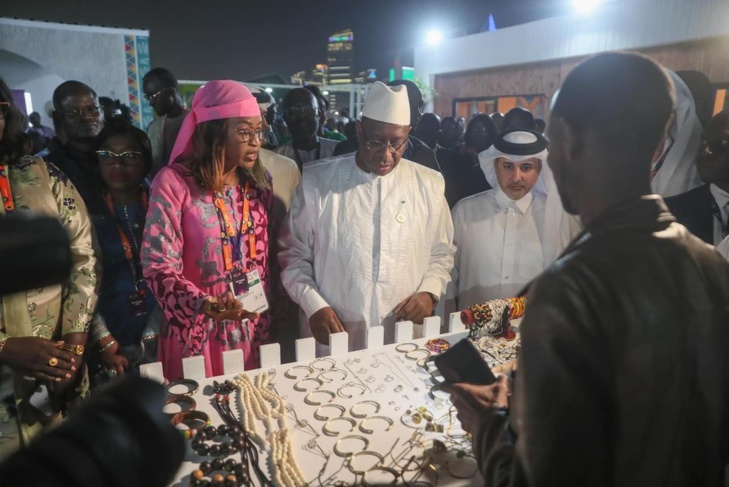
pixel 623 375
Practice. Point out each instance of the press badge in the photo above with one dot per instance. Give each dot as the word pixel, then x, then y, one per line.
pixel 239 281
pixel 252 297
pixel 137 305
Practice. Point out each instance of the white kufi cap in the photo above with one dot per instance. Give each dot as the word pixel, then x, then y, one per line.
pixel 387 104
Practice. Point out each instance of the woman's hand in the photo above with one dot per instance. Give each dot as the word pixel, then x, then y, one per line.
pixel 39 358
pixel 226 307
pixel 113 360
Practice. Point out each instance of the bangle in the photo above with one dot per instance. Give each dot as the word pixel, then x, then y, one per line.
pixel 379 457
pixel 318 416
pixel 351 384
pixel 313 403
pixel 327 360
pixel 181 399
pixel 298 388
pixel 406 347
pixel 369 431
pixel 107 346
pixel 194 420
pixel 323 375
pixel 418 350
pixel 347 454
pixel 395 476
pixel 289 375
pixel 329 432
pixel 360 415
pixel 192 386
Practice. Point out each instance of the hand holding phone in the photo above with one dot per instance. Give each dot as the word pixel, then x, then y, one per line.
pixel 464 363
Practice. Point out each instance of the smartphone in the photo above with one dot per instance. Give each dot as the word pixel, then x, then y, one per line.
pixel 464 363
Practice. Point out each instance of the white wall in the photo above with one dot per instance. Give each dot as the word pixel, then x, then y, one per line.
pixel 23 74
pixel 617 24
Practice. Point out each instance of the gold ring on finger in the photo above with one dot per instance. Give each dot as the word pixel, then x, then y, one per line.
pixel 53 361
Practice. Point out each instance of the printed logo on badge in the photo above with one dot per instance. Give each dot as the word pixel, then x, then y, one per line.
pixel 239 281
pixel 254 299
pixel 137 306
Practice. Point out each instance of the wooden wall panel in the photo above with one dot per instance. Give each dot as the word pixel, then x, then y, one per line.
pixel 709 56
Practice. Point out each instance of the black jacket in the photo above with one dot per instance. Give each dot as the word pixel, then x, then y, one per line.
pixel 692 209
pixel 624 373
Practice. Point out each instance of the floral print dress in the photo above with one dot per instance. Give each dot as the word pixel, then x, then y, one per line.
pixel 50 312
pixel 182 260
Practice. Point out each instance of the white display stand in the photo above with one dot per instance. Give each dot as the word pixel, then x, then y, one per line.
pixel 382 374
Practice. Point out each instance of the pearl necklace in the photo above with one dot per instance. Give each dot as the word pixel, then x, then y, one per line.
pixel 259 403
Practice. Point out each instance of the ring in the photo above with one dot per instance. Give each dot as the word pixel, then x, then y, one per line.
pixel 53 361
pixel 111 373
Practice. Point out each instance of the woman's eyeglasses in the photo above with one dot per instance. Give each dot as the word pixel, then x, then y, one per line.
pixel 128 158
pixel 245 136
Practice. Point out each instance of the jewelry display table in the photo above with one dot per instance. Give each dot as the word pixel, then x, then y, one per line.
pixel 383 405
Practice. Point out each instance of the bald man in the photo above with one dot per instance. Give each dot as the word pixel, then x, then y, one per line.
pixel 622 376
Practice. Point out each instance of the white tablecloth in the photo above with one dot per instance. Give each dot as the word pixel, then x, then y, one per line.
pixel 390 379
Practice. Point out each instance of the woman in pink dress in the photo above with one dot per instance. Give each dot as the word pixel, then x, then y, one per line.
pixel 207 232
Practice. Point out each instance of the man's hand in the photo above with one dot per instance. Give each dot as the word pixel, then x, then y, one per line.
pixel 471 400
pixel 323 323
pixel 415 308
pixel 32 356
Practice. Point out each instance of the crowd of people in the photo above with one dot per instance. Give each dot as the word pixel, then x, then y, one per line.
pixel 216 230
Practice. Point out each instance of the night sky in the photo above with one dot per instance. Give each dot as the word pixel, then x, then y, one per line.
pixel 220 39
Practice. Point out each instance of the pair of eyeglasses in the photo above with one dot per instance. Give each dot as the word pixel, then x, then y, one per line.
pixel 306 111
pixel 378 146
pixel 4 109
pixel 78 112
pixel 245 136
pixel 151 98
pixel 128 158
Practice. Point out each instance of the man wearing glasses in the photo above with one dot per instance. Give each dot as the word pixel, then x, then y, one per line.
pixel 368 239
pixel 301 114
pixel 78 113
pixel 161 91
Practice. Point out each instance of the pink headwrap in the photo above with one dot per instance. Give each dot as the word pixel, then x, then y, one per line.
pixel 214 100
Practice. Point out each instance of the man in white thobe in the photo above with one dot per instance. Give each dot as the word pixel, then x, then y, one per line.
pixel 508 235
pixel 368 240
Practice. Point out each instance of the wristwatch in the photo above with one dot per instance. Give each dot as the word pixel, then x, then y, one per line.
pixel 74 349
pixel 434 298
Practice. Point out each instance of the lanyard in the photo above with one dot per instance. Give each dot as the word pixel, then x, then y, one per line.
pixel 717 214
pixel 298 156
pixel 229 234
pixel 128 250
pixel 5 193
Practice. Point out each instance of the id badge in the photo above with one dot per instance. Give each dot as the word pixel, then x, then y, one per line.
pixel 239 281
pixel 254 299
pixel 137 305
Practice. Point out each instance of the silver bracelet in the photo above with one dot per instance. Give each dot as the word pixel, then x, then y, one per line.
pixel 107 346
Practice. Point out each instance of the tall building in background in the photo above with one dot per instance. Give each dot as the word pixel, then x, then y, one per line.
pixel 340 59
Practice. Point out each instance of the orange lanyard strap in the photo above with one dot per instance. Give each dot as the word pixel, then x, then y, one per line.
pixel 128 251
pixel 231 236
pixel 5 193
